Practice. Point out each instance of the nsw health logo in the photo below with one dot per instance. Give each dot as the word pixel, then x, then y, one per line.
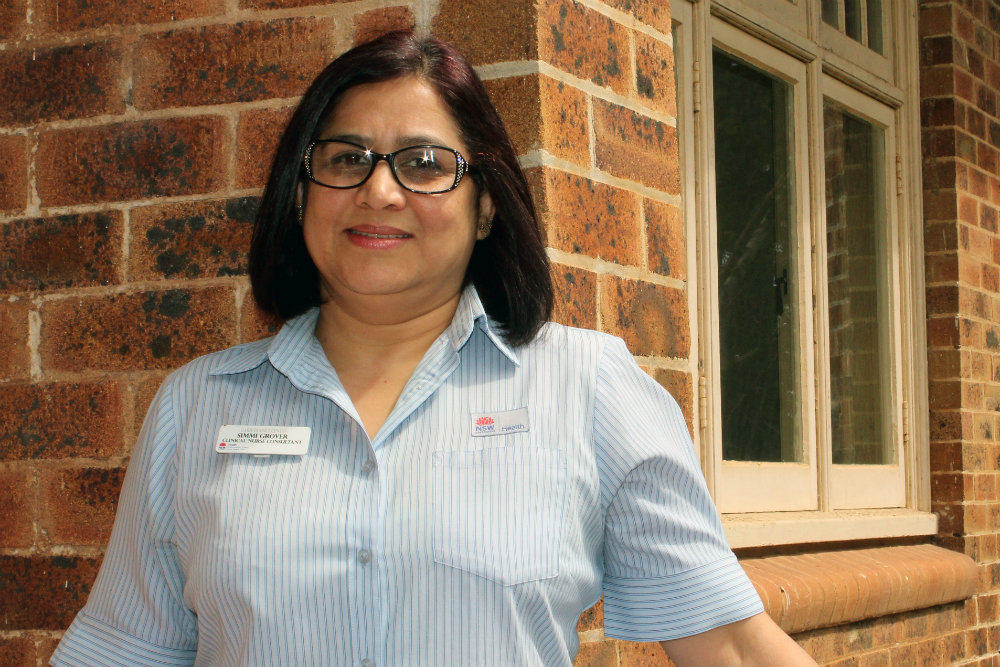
pixel 485 425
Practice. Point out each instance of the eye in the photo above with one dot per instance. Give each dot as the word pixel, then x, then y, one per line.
pixel 423 160
pixel 347 158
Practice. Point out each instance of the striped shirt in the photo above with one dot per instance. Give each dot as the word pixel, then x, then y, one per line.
pixel 505 493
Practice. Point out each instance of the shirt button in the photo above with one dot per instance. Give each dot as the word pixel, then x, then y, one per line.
pixel 367 466
pixel 367 663
pixel 363 557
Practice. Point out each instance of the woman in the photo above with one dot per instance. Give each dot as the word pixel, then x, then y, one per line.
pixel 416 469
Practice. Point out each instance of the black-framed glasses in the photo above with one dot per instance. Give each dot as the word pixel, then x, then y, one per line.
pixel 422 169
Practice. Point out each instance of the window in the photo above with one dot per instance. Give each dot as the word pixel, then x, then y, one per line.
pixel 801 189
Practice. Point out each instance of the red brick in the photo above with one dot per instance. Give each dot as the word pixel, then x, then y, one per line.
pixel 939 142
pixel 13 23
pixel 946 457
pixel 565 126
pixel 191 239
pixel 69 15
pixel 44 592
pixel 257 136
pixel 13 172
pixel 654 74
pixel 940 50
pixel 241 62
pixel 17 497
pixel 652 319
pixel 654 13
pixel 67 251
pixel 255 323
pixel 584 43
pixel 602 653
pixel 517 100
pixel 284 4
pixel 46 421
pixel 636 147
pixel 936 82
pixel 943 268
pixel 557 125
pixel 487 31
pixel 947 487
pixel 575 297
pixel 15 360
pixel 938 111
pixel 642 654
pixel 129 161
pixel 942 299
pixel 138 330
pixel 376 22
pixel 665 239
pixel 935 20
pixel 589 218
pixel 680 386
pixel 874 659
pixel 942 332
pixel 46 647
pixel 78 504
pixel 142 397
pixel 940 236
pixel 64 82
pixel 18 651
pixel 592 619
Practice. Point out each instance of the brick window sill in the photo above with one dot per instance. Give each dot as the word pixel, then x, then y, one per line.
pixel 818 590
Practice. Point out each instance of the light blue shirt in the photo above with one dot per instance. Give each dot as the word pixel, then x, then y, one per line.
pixel 505 493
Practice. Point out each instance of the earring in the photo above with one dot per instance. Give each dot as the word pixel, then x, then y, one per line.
pixel 484 228
pixel 299 214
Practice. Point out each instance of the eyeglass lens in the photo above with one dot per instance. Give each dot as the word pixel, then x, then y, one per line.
pixel 420 168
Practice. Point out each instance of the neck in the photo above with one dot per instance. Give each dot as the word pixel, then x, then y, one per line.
pixel 381 329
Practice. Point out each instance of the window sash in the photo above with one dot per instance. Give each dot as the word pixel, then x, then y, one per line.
pixel 867 486
pixel 738 484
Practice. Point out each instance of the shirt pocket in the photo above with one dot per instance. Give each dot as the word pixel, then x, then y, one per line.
pixel 498 512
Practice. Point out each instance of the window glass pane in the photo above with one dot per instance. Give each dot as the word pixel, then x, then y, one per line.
pixel 858 299
pixel 852 19
pixel 875 26
pixel 757 306
pixel 830 14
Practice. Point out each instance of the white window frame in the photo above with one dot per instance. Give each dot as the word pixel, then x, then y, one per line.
pixel 834 502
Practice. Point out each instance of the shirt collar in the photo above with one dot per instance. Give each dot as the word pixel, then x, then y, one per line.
pixel 470 314
pixel 297 336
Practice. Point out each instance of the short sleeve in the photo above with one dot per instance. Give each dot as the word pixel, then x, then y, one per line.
pixel 669 571
pixel 135 614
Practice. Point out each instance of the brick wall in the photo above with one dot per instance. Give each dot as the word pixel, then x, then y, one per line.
pixel 132 162
pixel 960 84
pixel 135 140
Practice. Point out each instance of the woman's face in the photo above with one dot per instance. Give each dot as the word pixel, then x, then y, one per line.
pixel 379 238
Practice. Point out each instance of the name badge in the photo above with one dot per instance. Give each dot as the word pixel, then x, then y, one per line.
pixel 498 423
pixel 263 440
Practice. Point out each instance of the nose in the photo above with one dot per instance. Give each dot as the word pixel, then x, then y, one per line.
pixel 381 190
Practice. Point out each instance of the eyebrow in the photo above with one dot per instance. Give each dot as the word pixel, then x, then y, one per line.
pixel 402 142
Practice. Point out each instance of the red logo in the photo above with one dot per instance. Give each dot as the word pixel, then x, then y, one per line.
pixel 222 445
pixel 484 421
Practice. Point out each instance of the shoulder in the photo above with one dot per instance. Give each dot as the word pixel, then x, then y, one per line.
pixel 555 336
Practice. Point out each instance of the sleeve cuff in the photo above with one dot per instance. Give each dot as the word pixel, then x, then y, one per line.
pixel 92 642
pixel 679 605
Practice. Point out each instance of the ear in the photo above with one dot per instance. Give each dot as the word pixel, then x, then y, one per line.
pixel 486 212
pixel 299 194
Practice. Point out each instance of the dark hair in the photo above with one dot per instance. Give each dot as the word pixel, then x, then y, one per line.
pixel 509 267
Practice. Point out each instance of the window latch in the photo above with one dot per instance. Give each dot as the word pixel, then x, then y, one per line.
pixel 780 292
